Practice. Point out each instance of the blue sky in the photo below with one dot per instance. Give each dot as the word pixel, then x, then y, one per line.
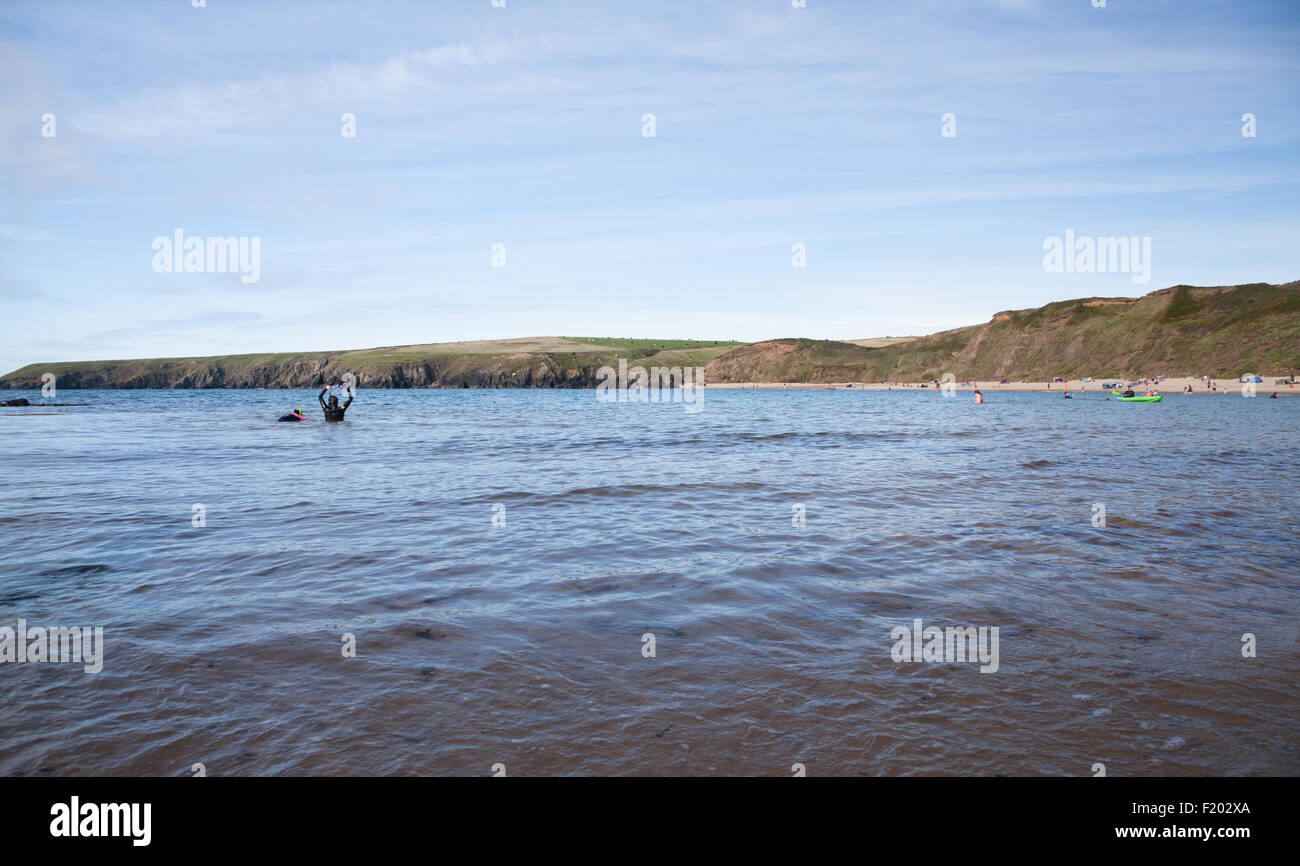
pixel 774 125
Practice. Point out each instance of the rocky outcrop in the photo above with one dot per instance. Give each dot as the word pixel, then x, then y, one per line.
pixel 452 371
pixel 791 360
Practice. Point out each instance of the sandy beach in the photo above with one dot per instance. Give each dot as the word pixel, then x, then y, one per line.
pixel 1174 385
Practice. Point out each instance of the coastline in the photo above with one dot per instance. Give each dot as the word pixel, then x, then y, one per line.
pixel 1173 385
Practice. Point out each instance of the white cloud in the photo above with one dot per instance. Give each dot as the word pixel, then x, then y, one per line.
pixel 201 109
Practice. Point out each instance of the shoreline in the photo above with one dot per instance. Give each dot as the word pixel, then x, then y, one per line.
pixel 1170 386
pixel 1173 385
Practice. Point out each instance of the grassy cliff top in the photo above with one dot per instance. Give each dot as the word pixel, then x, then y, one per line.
pixel 1221 331
pixel 1182 330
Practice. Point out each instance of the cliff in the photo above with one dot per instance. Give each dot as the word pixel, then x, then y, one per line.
pixel 541 362
pixel 1219 331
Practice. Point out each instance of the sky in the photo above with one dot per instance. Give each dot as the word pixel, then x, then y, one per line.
pixel 525 126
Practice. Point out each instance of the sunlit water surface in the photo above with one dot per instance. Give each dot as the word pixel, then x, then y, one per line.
pixel 523 644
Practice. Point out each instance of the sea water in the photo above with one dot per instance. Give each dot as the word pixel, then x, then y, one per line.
pixel 455 579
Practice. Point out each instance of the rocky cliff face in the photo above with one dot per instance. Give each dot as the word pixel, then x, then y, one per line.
pixel 791 360
pixel 456 371
pixel 1222 331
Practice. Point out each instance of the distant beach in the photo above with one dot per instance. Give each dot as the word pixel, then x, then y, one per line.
pixel 1176 385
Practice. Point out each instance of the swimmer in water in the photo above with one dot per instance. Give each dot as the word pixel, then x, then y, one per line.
pixel 333 411
pixel 979 396
pixel 295 415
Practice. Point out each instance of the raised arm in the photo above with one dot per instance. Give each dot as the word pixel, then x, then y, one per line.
pixel 321 398
pixel 349 403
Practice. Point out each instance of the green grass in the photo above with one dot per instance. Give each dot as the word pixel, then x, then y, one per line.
pixel 1221 331
pixel 650 346
pixel 1185 330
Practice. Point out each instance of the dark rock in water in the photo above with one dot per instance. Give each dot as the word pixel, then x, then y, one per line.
pixel 427 634
pixel 23 401
pixel 428 672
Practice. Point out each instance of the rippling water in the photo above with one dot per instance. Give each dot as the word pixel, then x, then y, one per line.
pixel 522 644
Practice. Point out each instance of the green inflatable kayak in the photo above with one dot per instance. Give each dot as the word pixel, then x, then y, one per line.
pixel 1155 399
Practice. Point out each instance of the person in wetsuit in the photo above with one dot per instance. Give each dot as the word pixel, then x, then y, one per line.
pixel 333 411
pixel 295 415
pixel 1128 393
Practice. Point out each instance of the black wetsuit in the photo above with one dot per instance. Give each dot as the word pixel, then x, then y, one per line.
pixel 333 414
pixel 291 416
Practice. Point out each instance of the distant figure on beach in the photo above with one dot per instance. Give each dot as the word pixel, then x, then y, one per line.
pixel 295 415
pixel 979 396
pixel 333 411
